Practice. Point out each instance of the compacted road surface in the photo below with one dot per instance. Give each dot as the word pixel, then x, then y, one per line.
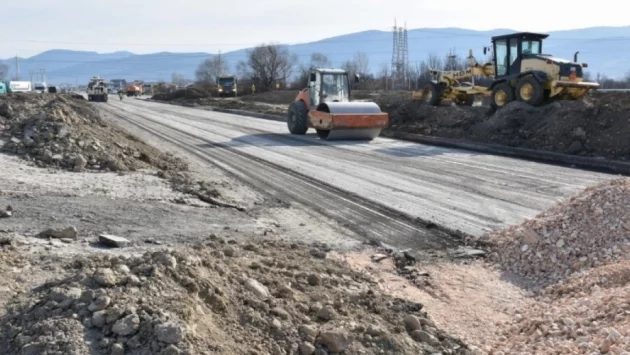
pixel 396 192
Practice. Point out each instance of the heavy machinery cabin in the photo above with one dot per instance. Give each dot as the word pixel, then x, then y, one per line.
pixel 520 71
pixel 325 105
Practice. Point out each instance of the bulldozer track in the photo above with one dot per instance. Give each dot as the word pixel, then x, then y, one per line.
pixel 372 221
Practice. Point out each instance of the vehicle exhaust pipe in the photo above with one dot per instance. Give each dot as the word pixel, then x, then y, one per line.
pixel 575 57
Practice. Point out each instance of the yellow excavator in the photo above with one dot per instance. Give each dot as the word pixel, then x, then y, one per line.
pixel 519 71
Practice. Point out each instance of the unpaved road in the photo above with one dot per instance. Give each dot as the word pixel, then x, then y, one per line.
pixel 377 188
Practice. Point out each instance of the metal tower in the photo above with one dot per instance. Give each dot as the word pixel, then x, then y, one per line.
pixel 400 54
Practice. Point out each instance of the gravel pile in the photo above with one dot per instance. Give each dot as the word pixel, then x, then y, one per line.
pixel 66 132
pixel 575 262
pixel 588 230
pixel 263 297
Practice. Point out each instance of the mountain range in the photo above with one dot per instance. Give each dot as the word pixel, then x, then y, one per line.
pixel 605 49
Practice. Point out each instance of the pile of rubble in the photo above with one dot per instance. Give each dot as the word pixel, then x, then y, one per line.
pixel 63 131
pixel 574 260
pixel 263 297
pixel 588 230
pixel 593 126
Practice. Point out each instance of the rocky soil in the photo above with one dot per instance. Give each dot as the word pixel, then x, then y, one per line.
pixel 62 131
pixel 574 260
pixel 593 126
pixel 221 297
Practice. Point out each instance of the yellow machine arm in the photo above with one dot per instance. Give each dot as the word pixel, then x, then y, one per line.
pixel 474 69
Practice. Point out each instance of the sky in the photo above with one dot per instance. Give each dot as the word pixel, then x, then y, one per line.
pixel 147 26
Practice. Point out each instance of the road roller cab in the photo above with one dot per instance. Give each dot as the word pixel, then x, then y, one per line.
pixel 325 106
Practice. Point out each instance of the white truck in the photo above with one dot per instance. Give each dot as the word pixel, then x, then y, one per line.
pixel 20 86
pixel 97 89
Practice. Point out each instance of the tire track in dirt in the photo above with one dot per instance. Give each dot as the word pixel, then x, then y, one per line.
pixel 372 221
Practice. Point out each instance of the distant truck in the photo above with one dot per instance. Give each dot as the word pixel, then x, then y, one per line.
pixel 19 86
pixel 97 90
pixel 133 90
pixel 52 89
pixel 3 88
pixel 40 88
pixel 227 85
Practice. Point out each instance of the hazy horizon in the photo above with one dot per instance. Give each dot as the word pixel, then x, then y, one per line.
pixel 144 27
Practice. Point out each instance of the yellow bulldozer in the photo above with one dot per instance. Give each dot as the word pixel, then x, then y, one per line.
pixel 519 71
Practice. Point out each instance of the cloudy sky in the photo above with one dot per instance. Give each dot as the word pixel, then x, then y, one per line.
pixel 145 26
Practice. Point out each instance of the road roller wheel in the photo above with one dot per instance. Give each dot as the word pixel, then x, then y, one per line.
pixel 529 90
pixel 297 118
pixel 502 94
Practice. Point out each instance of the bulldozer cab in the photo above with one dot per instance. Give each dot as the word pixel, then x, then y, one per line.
pixel 328 85
pixel 510 50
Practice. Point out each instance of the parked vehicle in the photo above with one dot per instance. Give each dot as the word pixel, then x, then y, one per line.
pixel 19 86
pixel 40 88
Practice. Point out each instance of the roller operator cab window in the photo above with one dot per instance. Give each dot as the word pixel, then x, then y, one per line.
pixel 334 87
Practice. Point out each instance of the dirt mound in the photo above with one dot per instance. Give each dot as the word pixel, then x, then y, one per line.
pixel 281 97
pixel 574 258
pixel 62 131
pixel 586 315
pixel 222 298
pixel 593 126
pixel 588 230
pixel 187 93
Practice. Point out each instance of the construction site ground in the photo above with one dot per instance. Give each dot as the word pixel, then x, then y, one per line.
pixel 241 239
pixel 593 127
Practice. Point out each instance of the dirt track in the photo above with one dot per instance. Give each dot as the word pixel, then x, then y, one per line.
pixel 465 191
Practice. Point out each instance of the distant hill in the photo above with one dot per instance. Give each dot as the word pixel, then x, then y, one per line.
pixel 606 49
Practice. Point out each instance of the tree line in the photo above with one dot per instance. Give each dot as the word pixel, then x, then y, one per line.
pixel 268 65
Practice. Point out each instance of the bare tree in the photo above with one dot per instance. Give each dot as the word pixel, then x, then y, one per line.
pixel 211 68
pixel 383 75
pixel 361 63
pixel 4 71
pixel 268 64
pixel 178 79
pixel 318 60
pixel 434 62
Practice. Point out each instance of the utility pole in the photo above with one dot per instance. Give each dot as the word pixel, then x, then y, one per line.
pixel 220 67
pixel 17 69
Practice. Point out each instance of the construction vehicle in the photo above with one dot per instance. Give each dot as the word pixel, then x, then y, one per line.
pixel 40 88
pixel 325 106
pixel 19 86
pixel 227 85
pixel 519 71
pixel 97 89
pixel 133 90
pixel 147 89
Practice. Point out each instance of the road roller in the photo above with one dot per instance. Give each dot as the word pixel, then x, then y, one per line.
pixel 325 106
